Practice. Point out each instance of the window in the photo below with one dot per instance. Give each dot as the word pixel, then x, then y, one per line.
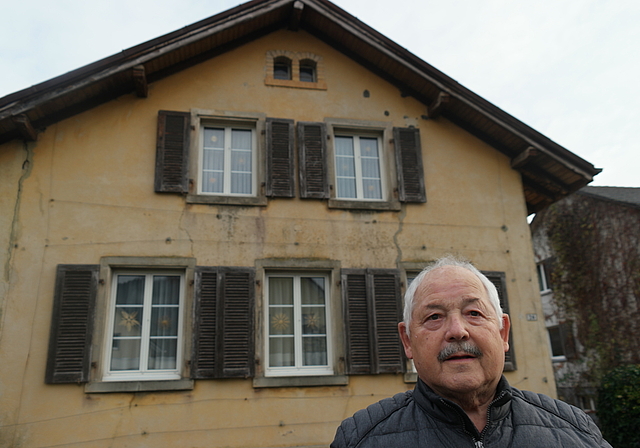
pixel 153 314
pixel 228 160
pixel 358 167
pixel 145 326
pixel 308 70
pixel 555 338
pixel 233 157
pixel 562 342
pixel 282 68
pixel 300 70
pixel 299 339
pixel 545 270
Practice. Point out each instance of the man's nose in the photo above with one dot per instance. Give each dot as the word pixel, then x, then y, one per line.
pixel 456 328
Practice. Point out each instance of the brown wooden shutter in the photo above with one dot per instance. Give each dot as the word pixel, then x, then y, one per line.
pixel 385 293
pixel 499 280
pixel 568 341
pixel 312 147
pixel 372 307
pixel 409 165
pixel 172 152
pixel 205 321
pixel 280 140
pixel 71 331
pixel 358 317
pixel 223 340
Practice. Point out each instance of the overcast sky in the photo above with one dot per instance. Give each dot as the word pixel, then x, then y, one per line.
pixel 568 68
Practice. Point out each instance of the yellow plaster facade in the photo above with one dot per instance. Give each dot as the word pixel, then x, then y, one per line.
pixel 86 192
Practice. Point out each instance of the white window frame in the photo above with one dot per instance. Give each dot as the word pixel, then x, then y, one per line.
pixel 356 135
pixel 556 358
pixel 228 126
pixel 542 279
pixel 299 369
pixel 144 374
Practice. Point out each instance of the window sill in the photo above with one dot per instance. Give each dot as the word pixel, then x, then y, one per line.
pixel 393 206
pixel 138 386
pixel 296 84
pixel 260 201
pixel 301 381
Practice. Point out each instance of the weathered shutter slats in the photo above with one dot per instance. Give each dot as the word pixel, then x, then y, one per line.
pixel 205 323
pixel 237 336
pixel 223 342
pixel 409 165
pixel 358 323
pixel 312 147
pixel 386 299
pixel 69 355
pixel 499 280
pixel 372 311
pixel 172 152
pixel 280 142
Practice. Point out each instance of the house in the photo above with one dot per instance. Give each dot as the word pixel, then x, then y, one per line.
pixel 206 236
pixel 587 250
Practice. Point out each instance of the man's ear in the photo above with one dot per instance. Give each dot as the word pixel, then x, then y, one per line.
pixel 406 341
pixel 504 331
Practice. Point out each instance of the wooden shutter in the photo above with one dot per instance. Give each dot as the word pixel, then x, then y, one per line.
pixel 568 342
pixel 312 147
pixel 372 306
pixel 409 165
pixel 69 356
pixel 280 140
pixel 498 279
pixel 223 340
pixel 172 152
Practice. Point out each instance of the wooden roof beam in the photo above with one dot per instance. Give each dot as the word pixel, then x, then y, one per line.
pixel 140 81
pixel 296 14
pixel 435 108
pixel 24 127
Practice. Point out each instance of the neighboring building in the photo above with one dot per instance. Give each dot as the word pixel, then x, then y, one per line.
pixel 205 237
pixel 597 274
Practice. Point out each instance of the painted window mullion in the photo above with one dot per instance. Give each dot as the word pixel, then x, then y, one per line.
pixel 146 323
pixel 358 167
pixel 297 313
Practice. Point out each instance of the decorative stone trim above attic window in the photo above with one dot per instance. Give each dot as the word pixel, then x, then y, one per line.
pixel 305 60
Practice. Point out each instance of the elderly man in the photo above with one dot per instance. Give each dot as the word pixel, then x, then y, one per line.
pixel 456 334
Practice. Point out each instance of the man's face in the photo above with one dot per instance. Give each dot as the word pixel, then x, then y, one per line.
pixel 451 307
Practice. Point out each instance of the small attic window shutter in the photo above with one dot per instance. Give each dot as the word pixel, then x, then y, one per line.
pixel 223 341
pixel 69 356
pixel 312 147
pixel 372 306
pixel 498 279
pixel 172 152
pixel 409 165
pixel 280 140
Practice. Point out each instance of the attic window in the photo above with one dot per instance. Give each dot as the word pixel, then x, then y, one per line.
pixel 302 70
pixel 282 68
pixel 308 70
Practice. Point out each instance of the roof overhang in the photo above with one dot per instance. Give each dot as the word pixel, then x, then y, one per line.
pixel 549 171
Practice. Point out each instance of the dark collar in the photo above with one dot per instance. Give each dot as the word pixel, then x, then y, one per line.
pixel 449 412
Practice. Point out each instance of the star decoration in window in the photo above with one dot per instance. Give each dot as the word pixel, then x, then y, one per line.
pixel 129 319
pixel 280 322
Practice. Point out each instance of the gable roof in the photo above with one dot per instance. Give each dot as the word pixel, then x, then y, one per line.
pixel 549 171
pixel 622 195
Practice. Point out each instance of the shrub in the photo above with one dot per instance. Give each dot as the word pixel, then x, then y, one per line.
pixel 619 406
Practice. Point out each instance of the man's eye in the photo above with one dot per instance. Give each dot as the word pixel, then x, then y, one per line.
pixel 433 317
pixel 475 313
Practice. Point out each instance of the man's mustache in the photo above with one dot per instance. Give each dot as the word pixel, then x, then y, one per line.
pixel 459 347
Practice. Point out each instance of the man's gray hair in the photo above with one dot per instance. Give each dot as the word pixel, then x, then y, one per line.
pixel 449 260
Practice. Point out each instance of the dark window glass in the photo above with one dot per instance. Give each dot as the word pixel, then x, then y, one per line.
pixel 282 68
pixel 308 71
